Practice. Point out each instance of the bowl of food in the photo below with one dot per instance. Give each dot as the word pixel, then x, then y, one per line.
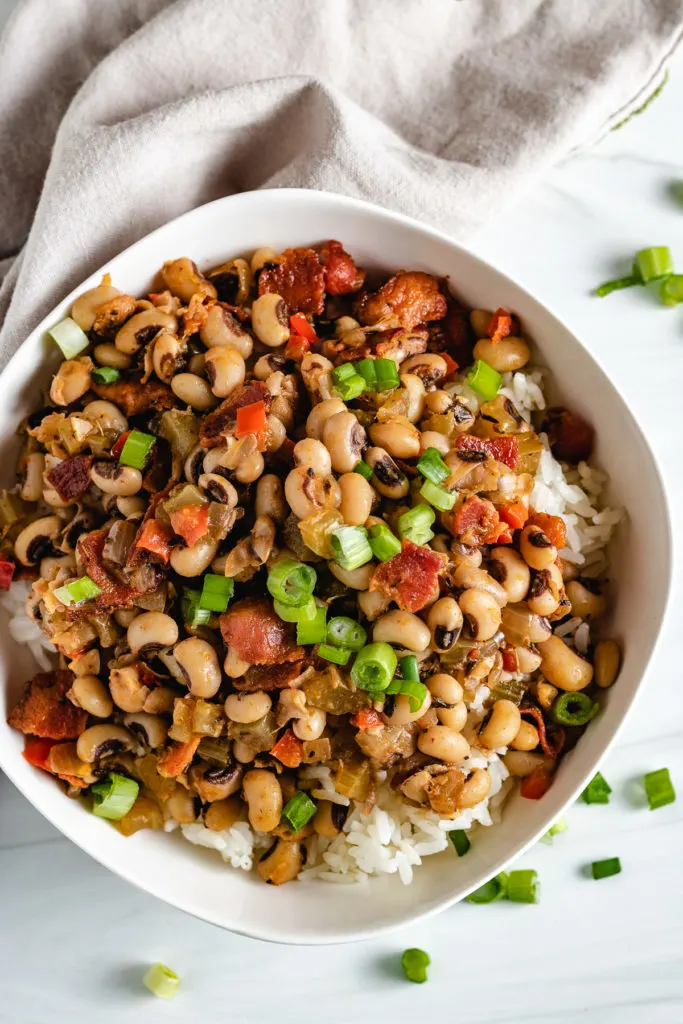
pixel 322 557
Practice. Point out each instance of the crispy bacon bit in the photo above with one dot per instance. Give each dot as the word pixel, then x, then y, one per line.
pixel 257 634
pixel 571 438
pixel 552 526
pixel 135 398
pixel 269 677
pixel 112 314
pixel 502 449
pixel 501 325
pixel 45 711
pixel 475 521
pixel 223 419
pixel 341 273
pixel 71 476
pixel 407 299
pixel 552 736
pixel 177 757
pixel 299 278
pixel 411 578
pixel 115 592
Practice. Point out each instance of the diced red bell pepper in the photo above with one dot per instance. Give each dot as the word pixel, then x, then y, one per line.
pixel 552 526
pixel 36 751
pixel 297 347
pixel 190 522
pixel 300 325
pixel 289 750
pixel 500 325
pixel 117 447
pixel 451 364
pixel 509 659
pixel 154 537
pixel 536 785
pixel 6 574
pixel 515 515
pixel 367 718
pixel 251 419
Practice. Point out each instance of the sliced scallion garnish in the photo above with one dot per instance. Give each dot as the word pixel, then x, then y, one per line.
pixel 114 796
pixel 415 963
pixel 69 336
pixel 659 788
pixel 161 981
pixel 605 868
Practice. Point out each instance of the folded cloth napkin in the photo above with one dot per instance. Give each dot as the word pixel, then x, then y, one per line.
pixel 118 115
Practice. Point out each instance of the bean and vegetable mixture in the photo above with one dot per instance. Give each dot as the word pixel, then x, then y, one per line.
pixel 276 517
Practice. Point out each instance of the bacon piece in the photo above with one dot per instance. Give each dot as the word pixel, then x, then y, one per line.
pixel 407 299
pixel 258 634
pixel 571 438
pixel 502 449
pixel 501 325
pixel 71 476
pixel 223 419
pixel 410 578
pixel 115 592
pixel 177 757
pixel 341 273
pixel 135 398
pixel 269 677
pixel 552 526
pixel 45 711
pixel 550 744
pixel 476 522
pixel 299 278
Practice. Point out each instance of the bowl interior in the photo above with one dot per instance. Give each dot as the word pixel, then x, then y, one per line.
pixel 197 880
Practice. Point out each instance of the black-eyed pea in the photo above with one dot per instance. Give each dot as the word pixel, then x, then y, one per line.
pixel 528 659
pixel 100 741
pixel 269 320
pixel 521 763
pixel 270 498
pixel 160 701
pixel 106 354
pixel 562 666
pixel 247 707
pixel 481 613
pixel 221 328
pixel 320 414
pixel 506 356
pixel 479 321
pixel 311 725
pixel 443 744
pixel 527 738
pixel 372 604
pixel 345 440
pixel 276 432
pixel 445 621
pixel 260 257
pixel 127 690
pixel 222 814
pixel 308 492
pixel 502 725
pixel 475 789
pixel 225 369
pixel 115 478
pixel 234 666
pixel 263 795
pixel 329 819
pixel 167 356
pixel 510 570
pixel 454 717
pixel 183 278
pixel 151 631
pixel 35 540
pixel 218 488
pixel 199 665
pixel 521 627
pixel 545 693
pixel 387 478
pixel 606 661
pixel 400 711
pixel 545 591
pixel 216 782
pixel 84 309
pixel 151 729
pixel 233 280
pixel 281 863
pixel 142 328
pixel 357 498
pixel 432 439
pixel 89 693
pixel 397 436
pixel 586 598
pixel 402 629
pixel 429 367
pixel 193 561
pixel 536 548
pixel 71 381
pixel 180 806
pixel 194 391
pixel 355 579
pixel 106 416
pixel 445 689
pixel 312 454
pixel 32 469
pixel 438 402
pixel 130 506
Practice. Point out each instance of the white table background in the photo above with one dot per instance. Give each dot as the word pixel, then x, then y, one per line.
pixel 75 940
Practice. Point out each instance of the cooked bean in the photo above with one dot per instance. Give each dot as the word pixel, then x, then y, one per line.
pixel 428 366
pixel 150 631
pixel 312 454
pixel 445 621
pixel 357 498
pixel 71 380
pixel 183 278
pixel 180 806
pixel 445 689
pixel 308 492
pixel 260 257
pixel 85 307
pixel 234 666
pixel 269 320
pixel 505 356
pixel 587 599
pixel 510 570
pixel 329 819
pixel 33 467
pixel 130 506
pixel 475 790
pixel 199 665
pixel 521 763
pixel 462 554
pixel 247 707
pixel 545 693
pixel 479 320
pixel 233 279
pixel 35 540
pixel 105 415
pixel 225 370
pixel 167 356
pixel 218 489
pixel 403 629
pixel 281 863
pixel 454 717
pixel 223 814
pixel 387 478
pixel 276 433
pixel 537 549
pixel 115 478
pixel 545 591
pixel 562 666
pixel 401 712
pixel 320 414
pixel 528 659
pixel 407 401
pixel 263 795
pixel 481 612
pixel 356 579
pixel 311 725
pixel 89 693
pixel 124 616
pixel 345 440
pixel 103 740
pixel 372 604
pixel 51 567
pixel 160 701
pixel 431 439
pixel 444 744
pixel 606 661
pixel 126 688
pixel 471 578
pixel 221 328
pixel 438 402
pixel 193 561
pixel 502 725
pixel 527 738
pixel 142 328
pixel 152 728
pixel 270 498
pixel 400 439
pixel 521 627
pixel 107 354
pixel 193 390
pixel 213 783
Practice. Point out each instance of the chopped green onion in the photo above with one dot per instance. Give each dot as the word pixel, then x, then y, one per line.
pixel 393 687
pixel 483 379
pixel 409 669
pixel 337 655
pixel 363 468
pixel 161 981
pixel 597 791
pixel 489 892
pixel 415 963
pixel 80 590
pixel 135 451
pixel 415 524
pixel 437 496
pixel 351 547
pixel 374 667
pixel 312 631
pixel 291 582
pixel 383 542
pixel 523 887
pixel 460 841
pixel 386 373
pixel 105 374
pixel 573 709
pixel 343 631
pixel 304 613
pixel 69 336
pixel 659 788
pixel 343 372
pixel 671 290
pixel 216 592
pixel 347 382
pixel 614 286
pixel 605 868
pixel 298 811
pixel 415 692
pixel 366 368
pixel 655 263
pixel 432 467
pixel 192 614
pixel 555 830
pixel 114 796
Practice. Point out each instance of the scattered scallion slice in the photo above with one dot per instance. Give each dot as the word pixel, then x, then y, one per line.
pixel 415 963
pixel 605 868
pixel 489 892
pixel 363 468
pixel 343 631
pixel 410 671
pixel 374 667
pixel 80 590
pixel 312 631
pixel 304 613
pixel 216 592
pixel 460 841
pixel 483 379
pixel 351 547
pixel 383 542
pixel 135 451
pixel 415 692
pixel 291 582
pixel 630 281
pixel 192 614
pixel 415 524
pixel 437 496
pixel 654 263
pixel 597 791
pixel 555 830
pixel 523 887
pixel 573 709
pixel 432 467
pixel 347 382
pixel 386 373
pixel 69 336
pixel 114 796
pixel 337 655
pixel 161 981
pixel 105 374
pixel 298 811
pixel 659 788
pixel 671 290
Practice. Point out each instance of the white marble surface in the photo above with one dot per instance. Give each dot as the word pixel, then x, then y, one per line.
pixel 75 940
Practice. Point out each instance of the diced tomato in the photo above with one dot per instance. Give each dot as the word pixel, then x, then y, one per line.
pixel 297 347
pixel 117 447
pixel 251 419
pixel 368 718
pixel 451 364
pixel 36 751
pixel 509 659
pixel 475 521
pixel 500 325
pixel 514 515
pixel 6 574
pixel 289 750
pixel 502 449
pixel 300 325
pixel 190 522
pixel 536 785
pixel 154 537
pixel 552 526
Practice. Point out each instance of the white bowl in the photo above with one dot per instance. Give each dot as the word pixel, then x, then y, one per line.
pixel 197 880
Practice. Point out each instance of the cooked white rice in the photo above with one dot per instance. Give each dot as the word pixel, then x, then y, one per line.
pixel 393 836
